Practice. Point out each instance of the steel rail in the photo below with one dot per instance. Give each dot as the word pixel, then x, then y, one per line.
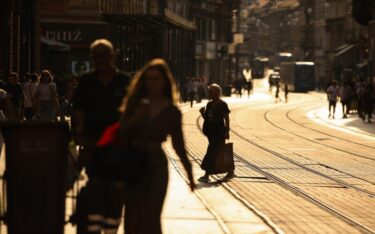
pixel 293 189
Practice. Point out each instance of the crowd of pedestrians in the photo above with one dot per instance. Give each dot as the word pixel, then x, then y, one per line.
pixel 194 89
pixel 354 97
pixel 35 97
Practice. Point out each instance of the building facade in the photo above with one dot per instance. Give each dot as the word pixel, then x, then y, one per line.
pixel 213 36
pixel 66 30
pixel 18 52
pixel 150 29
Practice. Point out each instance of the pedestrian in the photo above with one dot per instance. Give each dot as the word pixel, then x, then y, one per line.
pixel 216 129
pixel 367 102
pixel 277 84
pixel 191 90
pixel 46 97
pixel 345 97
pixel 286 92
pixel 66 101
pixel 333 93
pixel 201 89
pixel 7 112
pixel 238 84
pixel 29 89
pixel 7 109
pixel 2 78
pixel 96 100
pixel 15 93
pixel 150 114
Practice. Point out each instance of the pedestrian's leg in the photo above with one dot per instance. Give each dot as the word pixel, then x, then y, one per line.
pixel 334 110
pixel 329 108
pixel 114 198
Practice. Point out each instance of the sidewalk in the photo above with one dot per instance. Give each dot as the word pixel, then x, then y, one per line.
pixel 352 124
pixel 211 209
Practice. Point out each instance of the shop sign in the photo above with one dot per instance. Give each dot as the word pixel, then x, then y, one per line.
pixel 74 34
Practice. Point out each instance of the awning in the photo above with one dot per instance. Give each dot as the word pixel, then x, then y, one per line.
pixel 53 44
pixel 343 49
pixel 362 64
pixel 178 20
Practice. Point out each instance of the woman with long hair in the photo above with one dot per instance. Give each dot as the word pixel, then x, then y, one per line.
pixel 46 101
pixel 150 114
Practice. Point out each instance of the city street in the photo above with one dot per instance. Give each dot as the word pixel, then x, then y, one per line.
pixel 304 172
pixel 88 89
pixel 296 171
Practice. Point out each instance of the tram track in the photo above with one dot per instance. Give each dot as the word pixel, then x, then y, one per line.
pixel 341 215
pixel 307 197
pixel 266 116
pixel 347 219
pixel 343 183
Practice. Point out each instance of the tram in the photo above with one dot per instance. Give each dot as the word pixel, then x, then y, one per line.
pixel 299 76
pixel 259 66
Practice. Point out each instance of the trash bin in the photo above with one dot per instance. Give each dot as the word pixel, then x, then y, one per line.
pixel 227 90
pixel 36 160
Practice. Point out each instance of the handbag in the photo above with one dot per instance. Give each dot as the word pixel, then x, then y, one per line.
pixel 224 161
pixel 116 160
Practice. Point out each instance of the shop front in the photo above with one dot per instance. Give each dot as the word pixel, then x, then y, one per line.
pixel 65 46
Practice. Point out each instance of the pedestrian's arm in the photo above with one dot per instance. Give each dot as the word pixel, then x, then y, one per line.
pixel 9 109
pixel 179 146
pixel 78 119
pixel 227 125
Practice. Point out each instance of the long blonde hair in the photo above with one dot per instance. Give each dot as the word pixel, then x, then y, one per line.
pixel 138 90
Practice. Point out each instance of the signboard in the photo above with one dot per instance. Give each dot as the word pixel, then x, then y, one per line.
pixel 80 67
pixel 74 34
pixel 238 38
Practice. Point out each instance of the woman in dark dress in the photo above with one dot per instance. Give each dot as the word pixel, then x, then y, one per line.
pixel 150 114
pixel 216 128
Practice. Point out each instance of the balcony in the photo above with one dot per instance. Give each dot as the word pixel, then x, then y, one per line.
pixel 149 12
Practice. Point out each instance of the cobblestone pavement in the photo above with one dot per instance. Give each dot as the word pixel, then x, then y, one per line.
pixel 336 179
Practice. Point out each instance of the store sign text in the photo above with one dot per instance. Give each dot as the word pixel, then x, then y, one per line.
pixel 64 35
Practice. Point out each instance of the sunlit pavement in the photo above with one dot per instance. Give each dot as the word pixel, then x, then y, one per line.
pixel 297 199
pixel 352 123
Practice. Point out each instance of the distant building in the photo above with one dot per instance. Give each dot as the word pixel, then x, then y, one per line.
pixel 67 28
pixel 149 29
pixel 18 44
pixel 213 36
